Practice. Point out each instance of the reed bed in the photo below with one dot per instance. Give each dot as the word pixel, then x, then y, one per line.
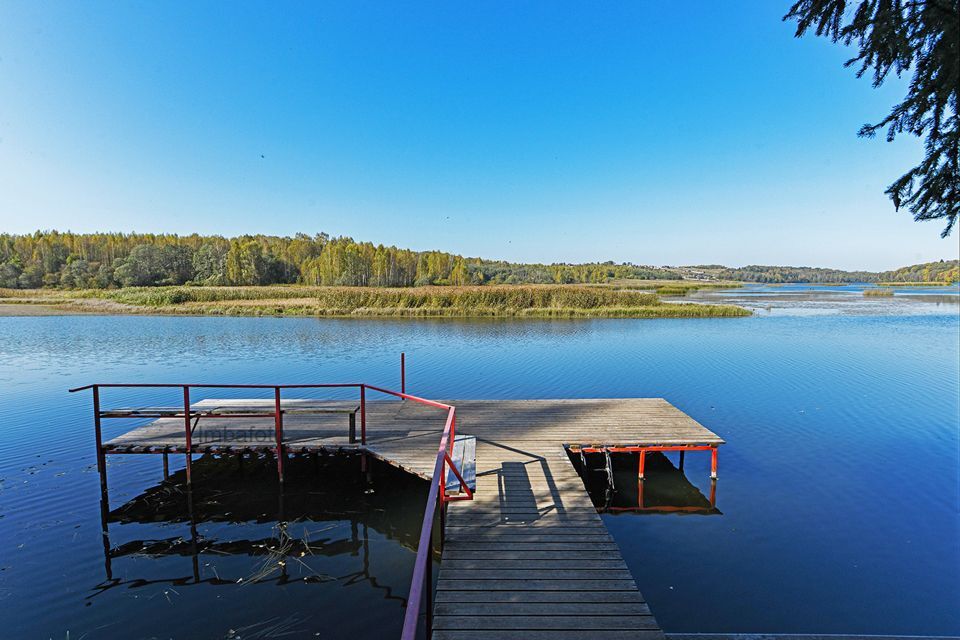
pixel 674 291
pixel 670 287
pixel 877 293
pixel 534 301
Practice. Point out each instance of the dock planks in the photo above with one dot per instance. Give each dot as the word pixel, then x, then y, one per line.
pixel 528 557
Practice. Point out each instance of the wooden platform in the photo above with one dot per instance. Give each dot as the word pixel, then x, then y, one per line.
pixel 529 557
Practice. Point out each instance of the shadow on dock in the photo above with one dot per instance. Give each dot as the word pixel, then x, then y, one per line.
pixel 666 488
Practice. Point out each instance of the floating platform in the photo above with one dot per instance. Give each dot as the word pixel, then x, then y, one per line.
pixel 528 556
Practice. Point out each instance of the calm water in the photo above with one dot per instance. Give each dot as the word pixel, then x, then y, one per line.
pixel 837 509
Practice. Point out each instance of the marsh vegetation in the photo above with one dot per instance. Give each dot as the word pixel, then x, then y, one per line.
pixel 559 301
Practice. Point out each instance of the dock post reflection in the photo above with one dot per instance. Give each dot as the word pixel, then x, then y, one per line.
pixel 659 486
pixel 105 530
pixel 195 551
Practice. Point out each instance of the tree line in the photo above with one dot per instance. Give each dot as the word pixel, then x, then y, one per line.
pixel 107 260
pixel 945 271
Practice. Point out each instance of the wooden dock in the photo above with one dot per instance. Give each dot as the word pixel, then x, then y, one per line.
pixel 528 557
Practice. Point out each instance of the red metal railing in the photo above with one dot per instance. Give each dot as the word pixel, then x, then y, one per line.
pixel 189 414
pixel 437 497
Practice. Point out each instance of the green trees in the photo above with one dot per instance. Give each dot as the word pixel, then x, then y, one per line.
pixel 105 260
pixel 210 262
pixel 244 263
pixel 899 36
pixel 459 275
pixel 143 267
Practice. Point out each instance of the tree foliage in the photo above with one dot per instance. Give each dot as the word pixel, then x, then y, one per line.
pixel 104 260
pixel 945 271
pixel 922 36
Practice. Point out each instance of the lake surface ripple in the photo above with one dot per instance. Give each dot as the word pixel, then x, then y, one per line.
pixel 836 509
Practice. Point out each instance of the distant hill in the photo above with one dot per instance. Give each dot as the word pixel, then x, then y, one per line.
pixel 942 271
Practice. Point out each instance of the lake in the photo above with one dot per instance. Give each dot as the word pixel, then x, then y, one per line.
pixel 837 508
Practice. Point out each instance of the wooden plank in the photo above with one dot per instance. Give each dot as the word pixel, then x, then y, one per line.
pixel 527 563
pixel 499 553
pixel 496 584
pixel 521 622
pixel 552 597
pixel 541 608
pixel 549 634
pixel 567 573
pixel 465 460
pixel 531 546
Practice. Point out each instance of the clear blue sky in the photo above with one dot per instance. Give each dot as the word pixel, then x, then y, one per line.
pixel 654 132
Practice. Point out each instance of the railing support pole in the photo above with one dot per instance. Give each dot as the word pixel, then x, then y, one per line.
pixel 428 587
pixel 643 463
pixel 188 432
pixel 166 466
pixel 101 458
pixel 403 372
pixel 713 463
pixel 278 431
pixel 363 414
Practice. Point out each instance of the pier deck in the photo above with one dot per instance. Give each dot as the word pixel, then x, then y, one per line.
pixel 529 556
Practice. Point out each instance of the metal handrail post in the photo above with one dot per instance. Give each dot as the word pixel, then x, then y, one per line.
pixel 278 431
pixel 363 414
pixel 101 458
pixel 187 431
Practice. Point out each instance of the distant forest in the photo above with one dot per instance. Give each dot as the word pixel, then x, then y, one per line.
pixel 109 260
pixel 106 260
pixel 943 271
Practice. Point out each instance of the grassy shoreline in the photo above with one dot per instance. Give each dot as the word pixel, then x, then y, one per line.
pixel 521 301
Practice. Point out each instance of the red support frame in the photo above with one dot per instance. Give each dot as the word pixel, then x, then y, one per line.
pixel 642 450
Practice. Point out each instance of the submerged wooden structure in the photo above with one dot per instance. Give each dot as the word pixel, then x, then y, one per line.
pixel 524 552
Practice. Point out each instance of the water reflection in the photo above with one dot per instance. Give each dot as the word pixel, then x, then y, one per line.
pixel 244 529
pixel 666 488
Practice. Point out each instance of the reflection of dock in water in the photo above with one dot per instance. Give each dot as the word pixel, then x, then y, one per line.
pixel 285 527
pixel 665 488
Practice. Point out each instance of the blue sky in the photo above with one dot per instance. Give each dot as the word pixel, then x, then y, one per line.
pixel 652 132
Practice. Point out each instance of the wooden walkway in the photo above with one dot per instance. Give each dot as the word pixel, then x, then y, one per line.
pixel 529 557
